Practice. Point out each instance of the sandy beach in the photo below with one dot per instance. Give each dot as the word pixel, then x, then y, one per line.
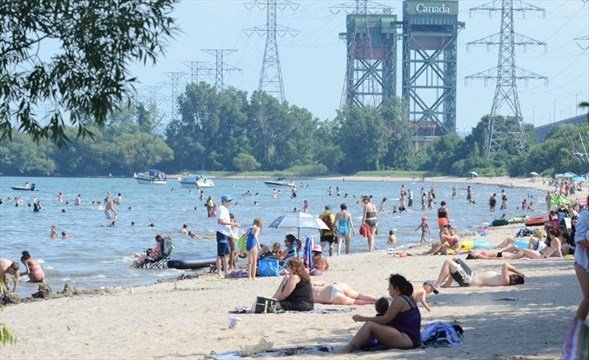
pixel 189 318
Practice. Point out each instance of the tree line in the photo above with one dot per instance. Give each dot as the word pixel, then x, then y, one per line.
pixel 230 131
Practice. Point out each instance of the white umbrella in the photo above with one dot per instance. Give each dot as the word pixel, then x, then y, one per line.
pixel 474 173
pixel 298 220
pixel 533 173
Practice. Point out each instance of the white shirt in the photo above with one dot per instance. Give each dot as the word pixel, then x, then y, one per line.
pixel 223 214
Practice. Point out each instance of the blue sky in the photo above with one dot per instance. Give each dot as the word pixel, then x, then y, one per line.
pixel 313 62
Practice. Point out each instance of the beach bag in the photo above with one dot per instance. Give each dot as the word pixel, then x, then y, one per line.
pixel 576 344
pixel 264 305
pixel 365 230
pixel 268 267
pixel 440 334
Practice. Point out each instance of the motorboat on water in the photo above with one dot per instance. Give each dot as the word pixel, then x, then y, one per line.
pixel 196 180
pixel 279 182
pixel 25 187
pixel 151 177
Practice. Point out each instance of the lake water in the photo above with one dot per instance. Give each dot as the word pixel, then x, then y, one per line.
pixel 97 255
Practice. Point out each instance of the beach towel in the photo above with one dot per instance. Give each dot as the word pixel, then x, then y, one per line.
pixel 308 252
pixel 576 344
pixel 438 334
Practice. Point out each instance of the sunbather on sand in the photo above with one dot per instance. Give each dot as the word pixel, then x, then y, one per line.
pixel 514 252
pixel 457 270
pixel 339 294
pixel 536 238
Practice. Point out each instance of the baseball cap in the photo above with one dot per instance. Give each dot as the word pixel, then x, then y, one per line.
pixel 226 198
pixel 432 284
pixel 317 248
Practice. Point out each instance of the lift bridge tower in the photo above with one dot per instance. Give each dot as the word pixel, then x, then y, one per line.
pixel 371 42
pixel 430 33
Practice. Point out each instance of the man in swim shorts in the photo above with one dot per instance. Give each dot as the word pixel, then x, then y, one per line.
pixel 224 224
pixel 456 269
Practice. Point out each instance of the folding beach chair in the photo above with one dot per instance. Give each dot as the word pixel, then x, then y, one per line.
pixel 155 261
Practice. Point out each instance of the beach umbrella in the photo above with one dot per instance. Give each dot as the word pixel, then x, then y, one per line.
pixel 533 173
pixel 569 174
pixel 298 220
pixel 474 174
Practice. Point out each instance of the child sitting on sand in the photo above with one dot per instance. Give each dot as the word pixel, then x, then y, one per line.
pixel 381 306
pixel 419 295
pixel 320 263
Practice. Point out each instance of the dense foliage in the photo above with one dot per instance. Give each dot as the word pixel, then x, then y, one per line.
pixel 73 56
pixel 231 131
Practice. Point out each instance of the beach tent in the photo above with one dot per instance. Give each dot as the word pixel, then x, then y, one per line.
pixel 569 175
pixel 578 179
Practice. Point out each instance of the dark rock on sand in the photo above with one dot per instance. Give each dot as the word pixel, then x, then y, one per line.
pixel 11 298
pixel 44 292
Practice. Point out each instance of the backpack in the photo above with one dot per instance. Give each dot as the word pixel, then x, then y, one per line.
pixel 327 220
pixel 441 334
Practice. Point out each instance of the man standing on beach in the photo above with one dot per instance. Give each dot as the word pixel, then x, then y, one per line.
pixel 224 224
pixel 328 236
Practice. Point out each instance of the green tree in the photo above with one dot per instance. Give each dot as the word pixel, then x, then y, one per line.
pixel 87 74
pixel 362 136
pixel 246 162
pixel 23 156
pixel 398 134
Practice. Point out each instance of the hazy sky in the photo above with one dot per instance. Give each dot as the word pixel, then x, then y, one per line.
pixel 313 62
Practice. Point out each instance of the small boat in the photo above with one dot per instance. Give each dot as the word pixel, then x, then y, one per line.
pixel 536 221
pixel 25 187
pixel 151 177
pixel 195 180
pixel 279 182
pixel 191 264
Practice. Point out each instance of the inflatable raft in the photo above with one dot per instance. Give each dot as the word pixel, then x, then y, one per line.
pixel 536 221
pixel 513 220
pixel 191 264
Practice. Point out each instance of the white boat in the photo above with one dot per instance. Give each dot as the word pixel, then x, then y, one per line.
pixel 151 177
pixel 195 180
pixel 279 182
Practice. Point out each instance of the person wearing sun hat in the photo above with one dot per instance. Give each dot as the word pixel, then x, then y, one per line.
pixel 320 263
pixel 224 225
pixel 420 294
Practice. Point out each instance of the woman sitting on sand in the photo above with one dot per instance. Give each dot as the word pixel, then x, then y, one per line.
pixel 339 294
pixel 295 292
pixel 33 268
pixel 449 240
pixel 399 326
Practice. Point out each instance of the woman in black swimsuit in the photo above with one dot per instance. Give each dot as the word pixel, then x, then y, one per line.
pixel 371 219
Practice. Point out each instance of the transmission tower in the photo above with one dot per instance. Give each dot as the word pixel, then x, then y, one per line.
pixel 271 74
pixel 198 70
pixel 500 130
pixel 176 79
pixel 220 66
pixel 371 42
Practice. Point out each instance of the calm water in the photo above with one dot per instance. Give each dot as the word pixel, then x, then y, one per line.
pixel 97 255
